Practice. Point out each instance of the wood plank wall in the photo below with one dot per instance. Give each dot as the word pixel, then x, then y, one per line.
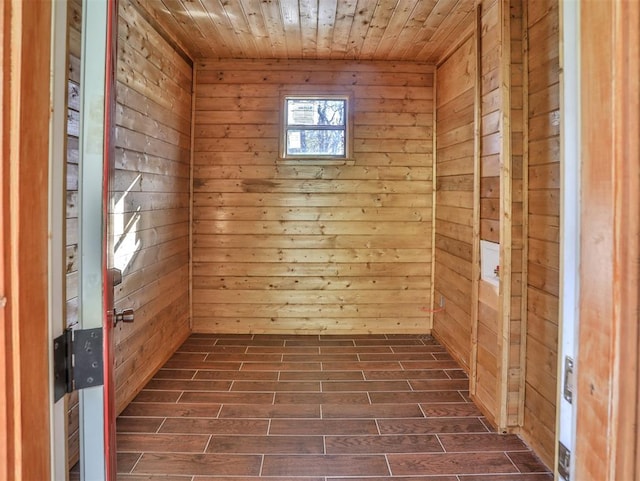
pixel 74 23
pixel 300 246
pixel 455 178
pixel 151 200
pixel 487 376
pixel 544 221
pixel 497 374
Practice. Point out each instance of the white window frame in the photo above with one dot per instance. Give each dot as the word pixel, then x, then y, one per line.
pixel 284 127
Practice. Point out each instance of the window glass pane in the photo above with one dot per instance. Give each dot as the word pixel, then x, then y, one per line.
pixel 315 142
pixel 315 112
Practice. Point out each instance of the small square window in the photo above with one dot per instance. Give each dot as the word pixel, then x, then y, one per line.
pixel 315 127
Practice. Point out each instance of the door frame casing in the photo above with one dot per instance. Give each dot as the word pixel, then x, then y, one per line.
pixel 607 445
pixel 25 447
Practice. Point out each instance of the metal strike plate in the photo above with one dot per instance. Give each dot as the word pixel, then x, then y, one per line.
pixel 564 461
pixel 567 391
pixel 116 276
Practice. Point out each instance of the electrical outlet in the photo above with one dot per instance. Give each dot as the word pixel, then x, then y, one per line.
pixel 442 301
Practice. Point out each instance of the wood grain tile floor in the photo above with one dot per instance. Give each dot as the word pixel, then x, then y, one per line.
pixel 314 408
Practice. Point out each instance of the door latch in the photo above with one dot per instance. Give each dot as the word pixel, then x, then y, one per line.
pixel 126 315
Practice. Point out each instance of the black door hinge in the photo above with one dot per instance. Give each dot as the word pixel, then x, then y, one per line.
pixel 77 361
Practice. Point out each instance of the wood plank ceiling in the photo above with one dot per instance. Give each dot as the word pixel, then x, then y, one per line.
pixel 411 30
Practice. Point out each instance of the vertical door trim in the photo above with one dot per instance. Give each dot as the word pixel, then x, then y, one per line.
pixel 504 306
pixel 524 315
pixel 434 203
pixel 477 145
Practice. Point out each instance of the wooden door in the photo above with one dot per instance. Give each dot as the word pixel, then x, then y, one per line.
pixel 110 275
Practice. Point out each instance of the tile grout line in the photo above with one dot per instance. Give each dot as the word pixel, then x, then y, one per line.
pixel 440 441
pixel 261 465
pixel 136 463
pixel 484 422
pixel 206 447
pixel 386 459
pixel 179 397
pixel 160 426
pixel 512 462
pixel 378 426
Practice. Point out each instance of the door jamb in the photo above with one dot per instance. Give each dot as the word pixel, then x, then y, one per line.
pixel 57 234
pixel 93 463
pixel 569 221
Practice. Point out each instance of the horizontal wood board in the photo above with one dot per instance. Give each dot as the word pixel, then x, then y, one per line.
pixel 302 246
pixel 455 200
pixel 150 200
